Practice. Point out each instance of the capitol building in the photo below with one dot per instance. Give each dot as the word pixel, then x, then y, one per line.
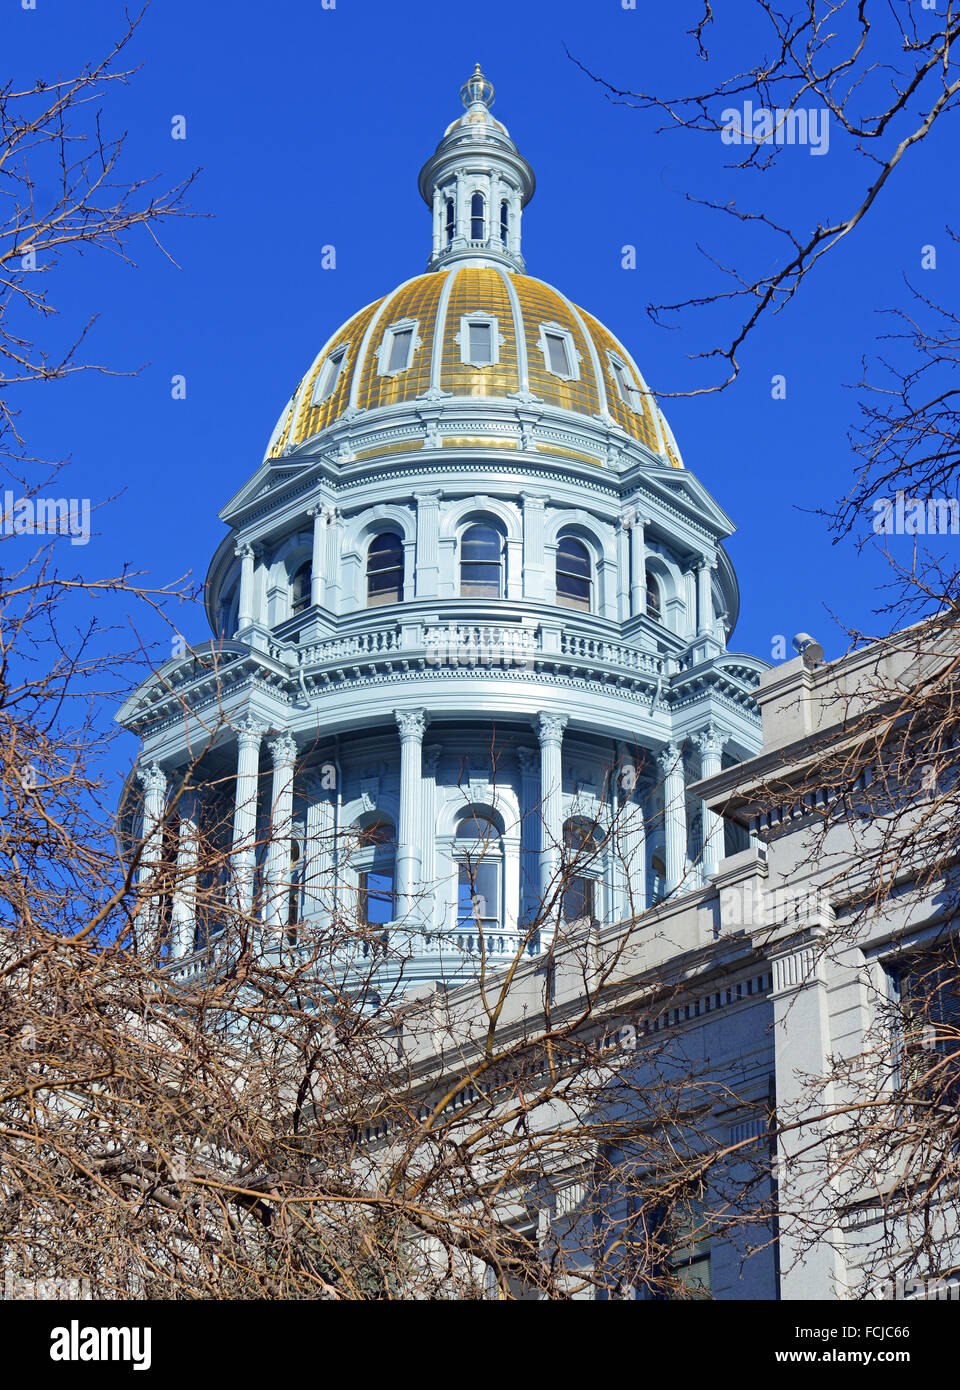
pixel 470 696
pixel 472 611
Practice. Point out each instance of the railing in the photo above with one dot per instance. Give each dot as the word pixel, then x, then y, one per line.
pixel 609 653
pixel 478 644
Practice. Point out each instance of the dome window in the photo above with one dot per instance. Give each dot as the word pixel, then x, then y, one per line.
pixel 384 570
pixel 573 574
pixel 560 356
pixel 628 391
pixel 450 220
pixel 504 221
pixel 478 218
pixel 654 605
pixel 300 587
pixel 479 340
pixel 400 342
pixel 329 375
pixel 481 563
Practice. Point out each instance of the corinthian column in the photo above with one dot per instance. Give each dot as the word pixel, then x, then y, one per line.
pixel 705 598
pixel 154 784
pixel 710 742
pixel 248 559
pixel 412 725
pixel 319 516
pixel 638 565
pixel 243 849
pixel 670 763
pixel 283 751
pixel 551 798
pixel 183 917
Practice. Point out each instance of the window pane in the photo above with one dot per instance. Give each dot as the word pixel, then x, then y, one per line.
pixel 386 552
pixel 557 354
pixel 653 597
pixel 578 899
pixel 481 543
pixel 504 221
pixel 572 557
pixel 329 374
pixel 450 221
pixel 478 828
pixel 400 350
pixel 480 581
pixel 300 589
pixel 385 586
pixel 477 217
pixel 376 897
pixel 481 343
pixel 478 894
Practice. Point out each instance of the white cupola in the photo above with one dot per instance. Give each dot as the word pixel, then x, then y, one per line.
pixel 477 184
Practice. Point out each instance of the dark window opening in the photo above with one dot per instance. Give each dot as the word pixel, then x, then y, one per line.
pixel 384 570
pixel 573 574
pixel 477 218
pixel 481 563
pixel 300 586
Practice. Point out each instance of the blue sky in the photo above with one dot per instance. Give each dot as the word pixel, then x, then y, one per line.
pixel 309 127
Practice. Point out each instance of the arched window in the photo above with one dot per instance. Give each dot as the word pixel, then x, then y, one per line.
pixel 654 606
pixel 374 857
pixel 450 220
pixel 481 562
pixel 477 218
pixel 384 570
pixel 581 865
pixel 479 857
pixel 573 574
pixel 504 221
pixel 300 586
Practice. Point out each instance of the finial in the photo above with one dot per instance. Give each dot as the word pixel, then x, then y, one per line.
pixel 477 89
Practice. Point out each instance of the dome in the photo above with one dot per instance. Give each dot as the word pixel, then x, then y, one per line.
pixel 536 342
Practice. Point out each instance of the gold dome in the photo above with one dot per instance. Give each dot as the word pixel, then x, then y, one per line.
pixel 604 381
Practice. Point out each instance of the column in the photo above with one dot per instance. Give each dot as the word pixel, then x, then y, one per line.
pixel 514 234
pixel 332 567
pixel 283 751
pixel 243 851
pixel 247 607
pixel 633 851
pixel 319 515
pixel 530 832
pixel 154 783
pixel 710 742
pixel 183 917
pixel 428 823
pixel 493 211
pixel 623 568
pixel 534 515
pixel 803 1046
pixel 638 565
pixel 412 724
pixel 705 598
pixel 428 552
pixel 670 763
pixel 462 212
pixel 437 220
pixel 551 800
pixel 319 889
